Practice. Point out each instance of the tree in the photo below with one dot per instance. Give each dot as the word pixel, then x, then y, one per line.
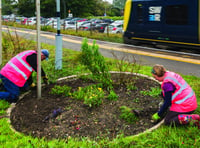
pixel 84 8
pixel 26 7
pixel 119 4
pixel 8 7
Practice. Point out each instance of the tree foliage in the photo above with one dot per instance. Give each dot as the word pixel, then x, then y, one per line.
pixel 84 8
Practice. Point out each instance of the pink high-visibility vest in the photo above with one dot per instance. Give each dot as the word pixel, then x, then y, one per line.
pixel 17 70
pixel 183 99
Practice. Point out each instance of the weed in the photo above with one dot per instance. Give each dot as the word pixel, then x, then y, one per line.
pixel 131 86
pixel 91 95
pixel 112 96
pixel 155 92
pixel 61 90
pixel 127 114
pixel 136 100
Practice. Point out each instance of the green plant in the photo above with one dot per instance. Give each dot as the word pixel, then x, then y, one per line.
pixel 127 114
pixel 95 62
pixel 61 90
pixel 136 100
pixel 155 92
pixel 91 95
pixel 112 96
pixel 131 86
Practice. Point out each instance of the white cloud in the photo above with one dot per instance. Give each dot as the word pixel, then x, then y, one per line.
pixel 110 1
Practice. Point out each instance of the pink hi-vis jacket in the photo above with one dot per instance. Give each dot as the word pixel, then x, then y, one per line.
pixel 17 70
pixel 183 99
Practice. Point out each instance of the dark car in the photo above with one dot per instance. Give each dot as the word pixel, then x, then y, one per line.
pixel 87 26
pixel 100 27
pixel 109 21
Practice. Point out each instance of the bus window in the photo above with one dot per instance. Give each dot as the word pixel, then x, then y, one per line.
pixel 177 15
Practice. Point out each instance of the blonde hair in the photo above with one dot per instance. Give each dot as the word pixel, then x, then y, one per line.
pixel 158 70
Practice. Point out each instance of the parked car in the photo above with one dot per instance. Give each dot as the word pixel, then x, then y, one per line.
pixel 114 28
pixel 109 21
pixel 70 25
pixel 31 21
pixel 119 22
pixel 96 21
pixel 100 27
pixel 87 26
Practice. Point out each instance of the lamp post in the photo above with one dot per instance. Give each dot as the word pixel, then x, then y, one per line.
pixel 58 58
pixel 105 8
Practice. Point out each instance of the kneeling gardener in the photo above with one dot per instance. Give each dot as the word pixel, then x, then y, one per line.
pixel 17 73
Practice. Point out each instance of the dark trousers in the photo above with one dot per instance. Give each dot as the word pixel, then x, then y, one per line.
pixel 12 91
pixel 171 117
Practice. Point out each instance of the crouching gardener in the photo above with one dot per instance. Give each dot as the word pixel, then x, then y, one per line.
pixel 178 96
pixel 17 73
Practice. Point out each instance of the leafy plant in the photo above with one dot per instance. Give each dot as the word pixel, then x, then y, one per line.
pixel 127 114
pixel 136 100
pixel 112 96
pixel 95 62
pixel 61 90
pixel 155 92
pixel 131 86
pixel 91 95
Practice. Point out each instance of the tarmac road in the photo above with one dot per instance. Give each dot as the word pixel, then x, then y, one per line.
pixel 173 61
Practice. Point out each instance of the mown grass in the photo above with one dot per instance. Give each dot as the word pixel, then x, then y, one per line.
pixel 164 136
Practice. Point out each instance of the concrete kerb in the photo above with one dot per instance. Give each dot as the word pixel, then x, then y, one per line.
pixel 75 76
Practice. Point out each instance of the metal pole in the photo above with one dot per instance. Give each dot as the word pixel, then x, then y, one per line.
pixel 38 50
pixel 0 36
pixel 58 58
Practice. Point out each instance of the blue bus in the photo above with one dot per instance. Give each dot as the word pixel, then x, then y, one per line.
pixel 164 22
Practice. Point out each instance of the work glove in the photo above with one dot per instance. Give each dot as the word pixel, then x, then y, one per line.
pixel 45 79
pixel 155 116
pixel 33 86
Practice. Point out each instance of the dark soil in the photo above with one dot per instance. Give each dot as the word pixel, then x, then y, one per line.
pixel 77 119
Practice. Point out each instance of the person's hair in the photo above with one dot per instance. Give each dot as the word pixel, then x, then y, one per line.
pixel 158 70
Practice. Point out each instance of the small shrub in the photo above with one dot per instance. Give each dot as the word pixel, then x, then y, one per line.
pixel 91 95
pixel 131 86
pixel 112 96
pixel 155 92
pixel 61 90
pixel 127 114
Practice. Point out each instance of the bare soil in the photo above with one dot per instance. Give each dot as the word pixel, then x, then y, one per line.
pixel 77 119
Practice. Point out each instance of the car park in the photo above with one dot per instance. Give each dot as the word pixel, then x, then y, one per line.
pixel 119 22
pixel 31 21
pixel 100 27
pixel 114 28
pixel 70 25
pixel 87 26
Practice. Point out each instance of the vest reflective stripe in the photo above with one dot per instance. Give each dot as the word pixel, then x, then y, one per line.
pixel 18 70
pixel 188 96
pixel 182 87
pixel 23 63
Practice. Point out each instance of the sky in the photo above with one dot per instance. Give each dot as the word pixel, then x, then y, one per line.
pixel 110 1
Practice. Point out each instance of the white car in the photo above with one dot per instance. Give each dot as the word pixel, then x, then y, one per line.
pixel 118 22
pixel 114 28
pixel 31 21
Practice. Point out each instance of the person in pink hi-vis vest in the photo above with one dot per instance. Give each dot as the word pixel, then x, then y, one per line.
pixel 179 99
pixel 16 75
